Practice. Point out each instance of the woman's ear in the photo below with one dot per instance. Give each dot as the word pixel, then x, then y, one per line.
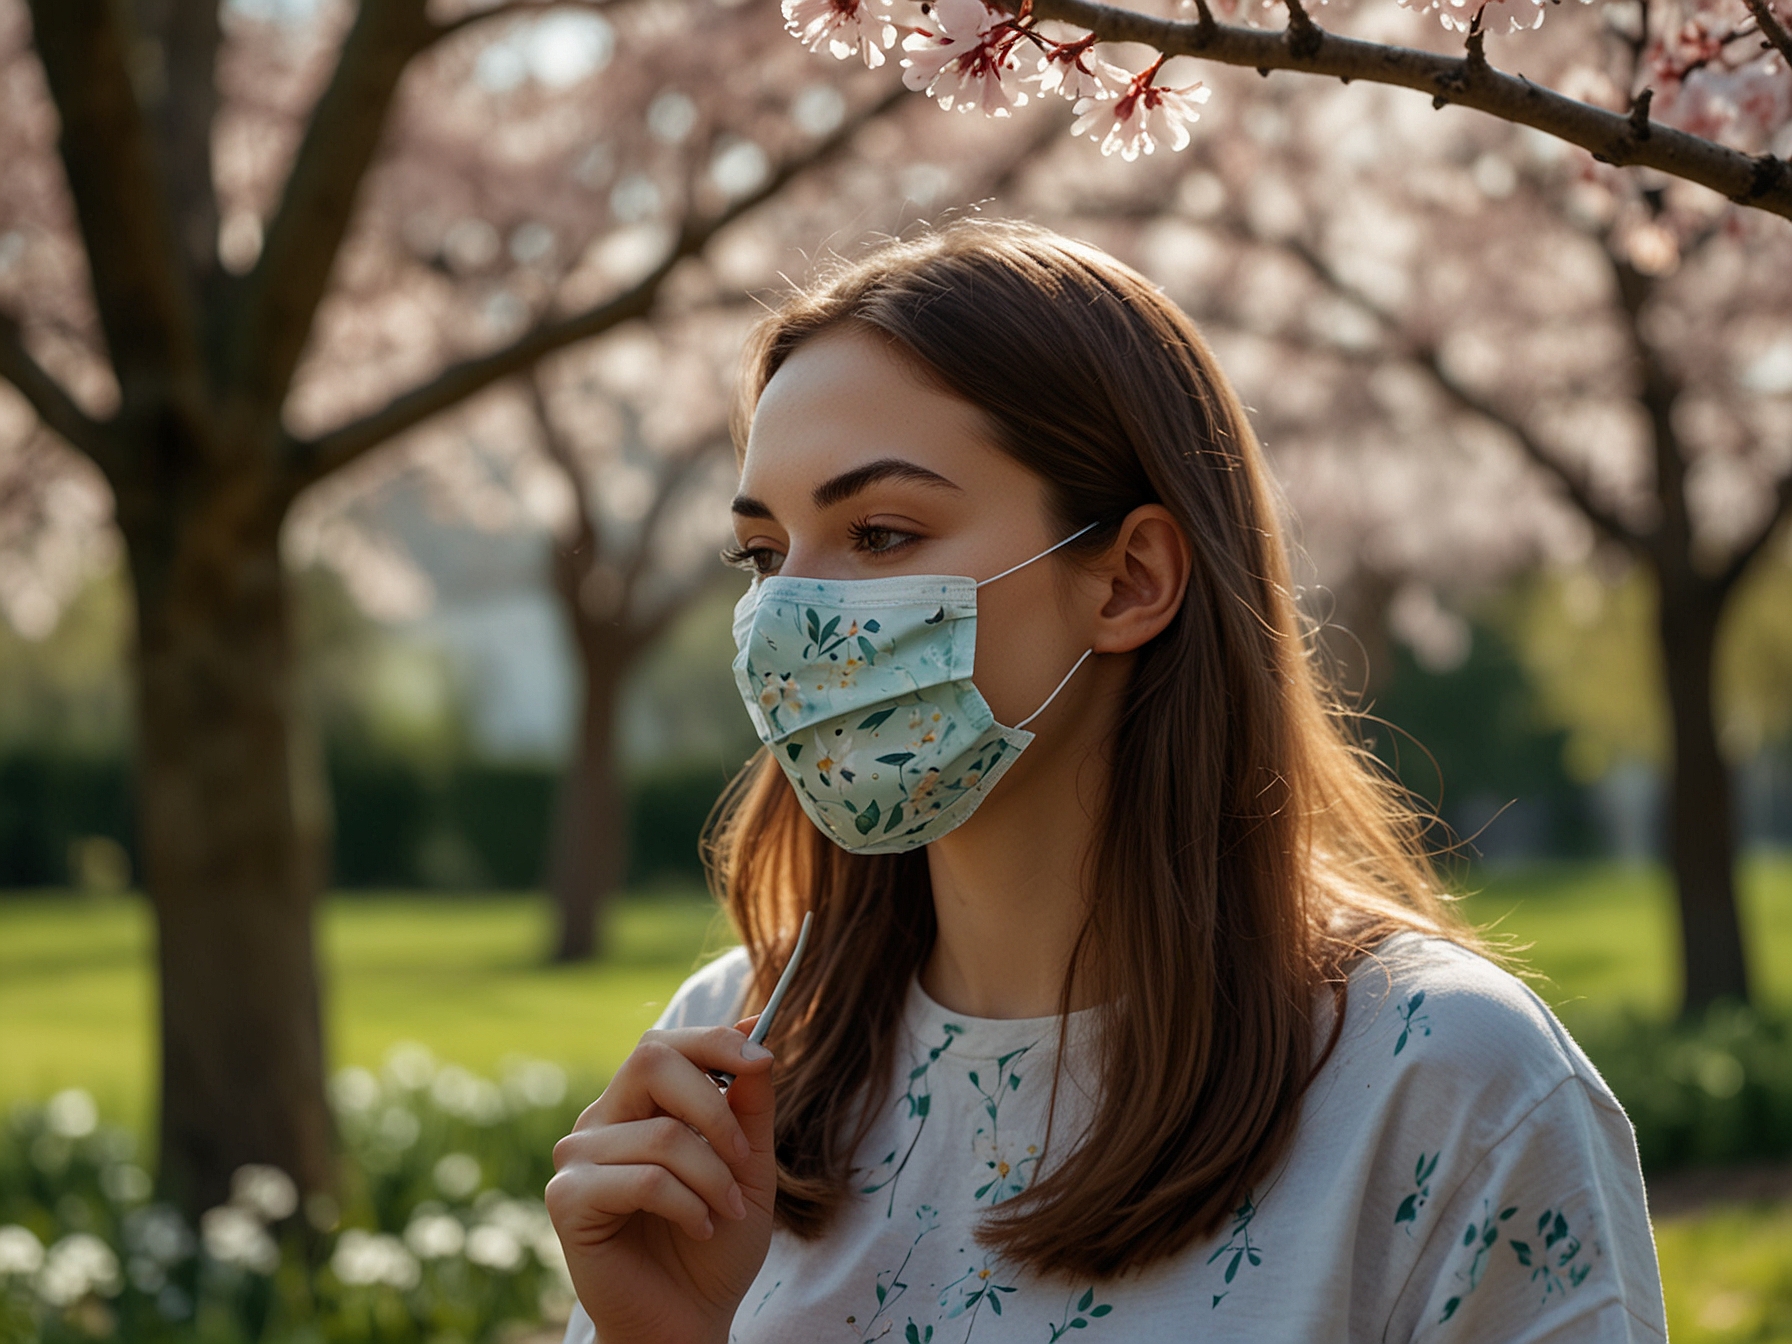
pixel 1144 575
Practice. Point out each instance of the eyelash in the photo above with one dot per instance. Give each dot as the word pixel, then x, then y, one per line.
pixel 759 559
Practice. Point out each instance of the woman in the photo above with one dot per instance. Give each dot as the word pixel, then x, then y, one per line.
pixel 1142 1017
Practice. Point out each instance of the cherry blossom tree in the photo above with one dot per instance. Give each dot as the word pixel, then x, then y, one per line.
pixel 221 288
pixel 1583 369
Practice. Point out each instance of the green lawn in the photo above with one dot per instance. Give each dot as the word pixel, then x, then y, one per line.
pixel 465 976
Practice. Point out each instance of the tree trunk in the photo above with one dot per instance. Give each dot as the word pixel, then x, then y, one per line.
pixel 590 827
pixel 1701 821
pixel 232 835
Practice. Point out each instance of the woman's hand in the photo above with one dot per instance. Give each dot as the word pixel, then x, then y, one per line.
pixel 662 1194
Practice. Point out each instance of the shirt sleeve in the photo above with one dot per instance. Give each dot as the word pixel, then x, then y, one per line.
pixel 711 996
pixel 1547 1238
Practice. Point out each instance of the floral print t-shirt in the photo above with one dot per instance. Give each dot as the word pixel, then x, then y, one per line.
pixel 1460 1173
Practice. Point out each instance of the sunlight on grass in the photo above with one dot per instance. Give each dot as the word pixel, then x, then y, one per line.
pixel 1727 1275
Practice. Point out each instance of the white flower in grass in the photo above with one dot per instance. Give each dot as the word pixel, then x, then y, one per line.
pixel 72 1114
pixel 76 1266
pixel 846 27
pixel 435 1236
pixel 1075 72
pixel 267 1192
pixel 20 1251
pixel 1124 123
pixel 234 1236
pixel 368 1258
pixel 965 60
pixel 494 1247
pixel 159 1233
pixel 355 1091
pixel 457 1175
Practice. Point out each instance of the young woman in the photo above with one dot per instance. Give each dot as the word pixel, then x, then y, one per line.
pixel 1130 1006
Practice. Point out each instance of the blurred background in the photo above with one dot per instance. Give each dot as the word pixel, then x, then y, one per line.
pixel 357 727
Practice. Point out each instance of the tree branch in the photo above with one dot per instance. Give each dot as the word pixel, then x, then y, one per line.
pixel 314 458
pixel 46 396
pixel 279 298
pixel 1428 358
pixel 1771 28
pixel 1763 181
pixel 145 307
pixel 680 466
pixel 514 8
pixel 1746 553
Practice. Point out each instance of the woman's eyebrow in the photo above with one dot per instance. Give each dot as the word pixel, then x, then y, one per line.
pixel 849 483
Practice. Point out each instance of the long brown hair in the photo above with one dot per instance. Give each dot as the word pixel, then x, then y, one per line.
pixel 1250 848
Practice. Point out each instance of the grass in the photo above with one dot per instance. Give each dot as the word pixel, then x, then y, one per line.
pixel 465 976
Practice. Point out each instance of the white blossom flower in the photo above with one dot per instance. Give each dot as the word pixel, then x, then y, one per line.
pixel 846 26
pixel 965 60
pixel 125 1183
pixel 77 1265
pixel 355 1091
pixel 20 1251
pixel 368 1258
pixel 494 1247
pixel 235 1236
pixel 457 1175
pixel 159 1233
pixel 267 1192
pixel 1075 72
pixel 1124 123
pixel 410 1065
pixel 435 1236
pixel 536 1082
pixel 72 1114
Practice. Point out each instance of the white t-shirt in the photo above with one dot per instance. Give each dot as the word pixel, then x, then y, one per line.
pixel 1460 1173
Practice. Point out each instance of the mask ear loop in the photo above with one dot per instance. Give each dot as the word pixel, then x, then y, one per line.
pixel 1047 551
pixel 1061 685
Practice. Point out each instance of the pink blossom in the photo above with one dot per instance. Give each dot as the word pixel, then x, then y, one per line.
pixel 966 60
pixel 845 26
pixel 1459 15
pixel 1073 71
pixel 1124 123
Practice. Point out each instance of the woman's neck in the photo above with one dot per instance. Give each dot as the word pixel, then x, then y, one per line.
pixel 1008 892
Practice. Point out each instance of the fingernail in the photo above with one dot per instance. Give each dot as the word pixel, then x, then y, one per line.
pixel 736 1203
pixel 743 1149
pixel 754 1050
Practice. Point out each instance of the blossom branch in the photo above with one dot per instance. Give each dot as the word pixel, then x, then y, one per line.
pixel 46 396
pixel 1763 181
pixel 311 459
pixel 1771 28
pixel 1430 359
pixel 514 8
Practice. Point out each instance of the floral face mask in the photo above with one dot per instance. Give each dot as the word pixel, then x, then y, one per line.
pixel 861 688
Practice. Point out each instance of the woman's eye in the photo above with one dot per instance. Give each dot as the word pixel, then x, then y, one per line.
pixel 879 540
pixel 760 560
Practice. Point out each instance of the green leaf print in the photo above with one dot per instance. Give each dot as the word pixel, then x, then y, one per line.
pixel 873 626
pixel 915 1335
pixel 919 1101
pixel 1077 1317
pixel 1483 1236
pixel 1238 1245
pixel 1408 1211
pixel 1420 1023
pixel 795 749
pixel 867 648
pixel 1555 1263
pixel 877 720
pixel 896 758
pixel 867 819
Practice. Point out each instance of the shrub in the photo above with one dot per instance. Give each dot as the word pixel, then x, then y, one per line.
pixel 441 1235
pixel 1716 1089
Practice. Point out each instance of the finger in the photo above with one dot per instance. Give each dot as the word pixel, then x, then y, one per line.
pixel 588 1201
pixel 750 1097
pixel 662 1141
pixel 664 1076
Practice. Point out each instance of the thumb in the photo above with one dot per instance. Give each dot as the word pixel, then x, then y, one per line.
pixel 752 1100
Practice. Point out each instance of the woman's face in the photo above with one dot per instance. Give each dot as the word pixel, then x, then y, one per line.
pixel 856 468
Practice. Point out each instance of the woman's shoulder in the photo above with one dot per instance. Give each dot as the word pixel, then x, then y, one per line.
pixel 1420 1005
pixel 713 994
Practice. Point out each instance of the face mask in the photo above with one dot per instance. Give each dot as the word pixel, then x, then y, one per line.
pixel 861 689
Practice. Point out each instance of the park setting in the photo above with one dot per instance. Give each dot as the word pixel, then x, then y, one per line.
pixel 366 696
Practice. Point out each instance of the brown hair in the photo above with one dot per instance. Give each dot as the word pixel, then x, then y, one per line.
pixel 1250 848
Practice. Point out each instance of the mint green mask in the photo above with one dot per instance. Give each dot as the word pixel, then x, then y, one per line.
pixel 861 689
